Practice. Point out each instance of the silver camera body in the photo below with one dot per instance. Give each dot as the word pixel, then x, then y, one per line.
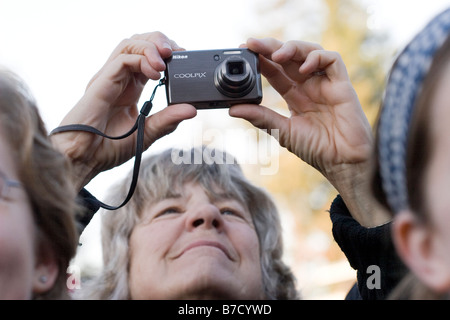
pixel 209 79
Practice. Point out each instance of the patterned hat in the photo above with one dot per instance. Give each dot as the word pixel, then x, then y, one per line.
pixel 404 85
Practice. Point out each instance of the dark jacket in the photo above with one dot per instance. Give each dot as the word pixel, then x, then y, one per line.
pixel 370 251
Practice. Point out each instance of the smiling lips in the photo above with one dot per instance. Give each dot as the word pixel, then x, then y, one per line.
pixel 206 243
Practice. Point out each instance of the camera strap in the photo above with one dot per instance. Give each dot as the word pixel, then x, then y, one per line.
pixel 139 126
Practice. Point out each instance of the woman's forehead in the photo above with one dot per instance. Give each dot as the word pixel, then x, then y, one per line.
pixel 212 190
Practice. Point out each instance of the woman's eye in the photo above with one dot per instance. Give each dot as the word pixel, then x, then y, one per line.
pixel 170 210
pixel 229 212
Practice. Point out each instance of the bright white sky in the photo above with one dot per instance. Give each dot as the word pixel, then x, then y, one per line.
pixel 57 46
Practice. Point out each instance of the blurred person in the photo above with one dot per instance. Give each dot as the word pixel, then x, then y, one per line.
pixel 38 235
pixel 410 176
pixel 327 127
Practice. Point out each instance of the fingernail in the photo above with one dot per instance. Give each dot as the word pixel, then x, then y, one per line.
pixel 175 45
pixel 167 46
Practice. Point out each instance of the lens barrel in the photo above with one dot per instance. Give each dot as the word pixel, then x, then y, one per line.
pixel 234 77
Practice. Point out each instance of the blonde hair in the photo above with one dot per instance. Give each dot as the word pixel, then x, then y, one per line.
pixel 159 176
pixel 44 174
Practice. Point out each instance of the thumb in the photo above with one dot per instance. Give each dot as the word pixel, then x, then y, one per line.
pixel 262 118
pixel 166 121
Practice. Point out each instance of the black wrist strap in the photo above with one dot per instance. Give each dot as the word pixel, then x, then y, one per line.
pixel 139 126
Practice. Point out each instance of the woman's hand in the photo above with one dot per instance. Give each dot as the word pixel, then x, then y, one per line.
pixel 327 127
pixel 110 105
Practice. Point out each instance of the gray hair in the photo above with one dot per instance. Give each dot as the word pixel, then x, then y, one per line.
pixel 160 176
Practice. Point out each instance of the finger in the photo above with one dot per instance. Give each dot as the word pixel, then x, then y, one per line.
pixel 155 45
pixel 263 118
pixel 296 51
pixel 166 121
pixel 265 47
pixel 115 76
pixel 162 42
pixel 325 61
pixel 292 55
pixel 164 45
pixel 142 47
pixel 135 47
pixel 126 63
pixel 275 75
pixel 270 70
pixel 176 47
pixel 281 61
pixel 154 58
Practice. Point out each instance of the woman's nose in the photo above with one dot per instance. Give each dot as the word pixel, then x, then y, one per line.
pixel 205 216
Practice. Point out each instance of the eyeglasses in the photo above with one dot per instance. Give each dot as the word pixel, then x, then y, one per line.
pixel 6 184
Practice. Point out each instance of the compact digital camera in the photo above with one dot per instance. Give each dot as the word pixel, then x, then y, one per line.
pixel 210 79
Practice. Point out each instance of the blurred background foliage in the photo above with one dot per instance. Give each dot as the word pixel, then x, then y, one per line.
pixel 302 194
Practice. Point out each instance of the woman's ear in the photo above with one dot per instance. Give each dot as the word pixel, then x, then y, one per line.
pixel 46 269
pixel 421 250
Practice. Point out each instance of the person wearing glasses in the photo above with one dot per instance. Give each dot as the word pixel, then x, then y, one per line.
pixel 38 234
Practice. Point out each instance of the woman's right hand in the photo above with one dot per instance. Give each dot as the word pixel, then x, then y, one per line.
pixel 110 105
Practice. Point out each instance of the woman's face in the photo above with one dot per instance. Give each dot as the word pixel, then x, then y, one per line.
pixel 194 247
pixel 17 235
pixel 438 177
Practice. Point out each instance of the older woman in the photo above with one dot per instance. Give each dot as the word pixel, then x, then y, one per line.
pixel 326 128
pixel 192 231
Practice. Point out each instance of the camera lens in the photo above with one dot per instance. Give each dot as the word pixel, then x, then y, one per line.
pixel 236 67
pixel 234 77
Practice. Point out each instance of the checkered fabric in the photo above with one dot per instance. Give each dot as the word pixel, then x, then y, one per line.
pixel 404 85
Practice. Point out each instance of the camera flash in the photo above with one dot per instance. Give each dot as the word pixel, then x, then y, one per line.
pixel 232 52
